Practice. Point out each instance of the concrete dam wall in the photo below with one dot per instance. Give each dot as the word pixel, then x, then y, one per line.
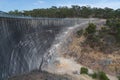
pixel 24 41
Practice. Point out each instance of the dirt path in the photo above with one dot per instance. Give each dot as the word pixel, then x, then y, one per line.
pixel 67 66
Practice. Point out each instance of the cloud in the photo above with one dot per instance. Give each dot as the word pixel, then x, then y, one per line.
pixel 39 2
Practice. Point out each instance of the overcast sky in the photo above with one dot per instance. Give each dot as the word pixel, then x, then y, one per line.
pixel 7 5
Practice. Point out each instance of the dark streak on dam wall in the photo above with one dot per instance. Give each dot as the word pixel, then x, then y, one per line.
pixel 23 41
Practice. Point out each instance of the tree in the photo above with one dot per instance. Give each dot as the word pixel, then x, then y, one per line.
pixel 16 12
pixel 73 11
pixel 76 10
pixel 85 11
pixel 117 13
pixel 108 13
pixel 114 26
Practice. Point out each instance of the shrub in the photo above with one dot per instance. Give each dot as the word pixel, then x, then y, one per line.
pixel 108 22
pixel 104 29
pixel 102 76
pixel 99 76
pixel 91 29
pixel 94 75
pixel 80 32
pixel 83 70
pixel 117 36
pixel 118 77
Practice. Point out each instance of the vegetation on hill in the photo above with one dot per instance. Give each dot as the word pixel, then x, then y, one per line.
pixel 118 77
pixel 73 11
pixel 114 28
pixel 104 39
pixel 100 75
pixel 83 70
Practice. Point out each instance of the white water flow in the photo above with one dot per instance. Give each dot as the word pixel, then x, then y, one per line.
pixel 61 40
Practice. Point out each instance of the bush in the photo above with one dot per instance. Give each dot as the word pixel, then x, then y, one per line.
pixel 99 76
pixel 109 22
pixel 80 32
pixel 83 70
pixel 91 29
pixel 94 75
pixel 104 29
pixel 117 36
pixel 102 76
pixel 118 77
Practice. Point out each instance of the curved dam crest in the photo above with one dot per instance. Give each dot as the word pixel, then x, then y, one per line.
pixel 24 41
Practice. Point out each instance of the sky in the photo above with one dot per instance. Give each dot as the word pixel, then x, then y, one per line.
pixel 7 5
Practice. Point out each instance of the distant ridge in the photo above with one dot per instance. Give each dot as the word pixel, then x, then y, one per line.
pixel 4 14
pixel 1 12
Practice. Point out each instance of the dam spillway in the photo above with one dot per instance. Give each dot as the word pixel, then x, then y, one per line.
pixel 24 41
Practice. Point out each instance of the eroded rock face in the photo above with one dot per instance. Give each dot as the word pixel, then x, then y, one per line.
pixel 22 44
pixel 24 41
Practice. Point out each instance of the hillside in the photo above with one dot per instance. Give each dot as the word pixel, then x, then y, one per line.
pixel 97 48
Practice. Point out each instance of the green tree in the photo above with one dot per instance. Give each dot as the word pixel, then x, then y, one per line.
pixel 118 35
pixel 76 10
pixel 73 11
pixel 108 13
pixel 16 12
pixel 117 13
pixel 85 11
pixel 114 27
